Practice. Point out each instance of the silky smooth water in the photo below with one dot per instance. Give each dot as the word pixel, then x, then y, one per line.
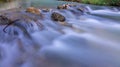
pixel 91 40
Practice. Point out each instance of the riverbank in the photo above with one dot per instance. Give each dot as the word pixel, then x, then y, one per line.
pixel 98 2
pixel 9 5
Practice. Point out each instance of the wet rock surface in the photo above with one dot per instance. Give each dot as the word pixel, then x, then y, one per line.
pixel 4 20
pixel 66 6
pixel 72 8
pixel 33 10
pixel 57 17
pixel 63 7
pixel 46 10
pixel 12 18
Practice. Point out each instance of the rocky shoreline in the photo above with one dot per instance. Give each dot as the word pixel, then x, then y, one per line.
pixel 19 17
pixel 36 15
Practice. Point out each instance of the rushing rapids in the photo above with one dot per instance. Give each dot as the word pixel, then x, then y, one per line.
pixel 70 36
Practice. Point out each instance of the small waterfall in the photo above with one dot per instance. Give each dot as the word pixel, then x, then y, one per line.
pixel 87 38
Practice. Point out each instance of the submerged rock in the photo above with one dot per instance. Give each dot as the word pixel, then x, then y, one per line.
pixel 14 19
pixel 3 20
pixel 57 17
pixel 46 10
pixel 80 9
pixel 65 24
pixel 72 5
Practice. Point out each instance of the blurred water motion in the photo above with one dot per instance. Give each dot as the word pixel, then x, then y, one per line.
pixel 92 41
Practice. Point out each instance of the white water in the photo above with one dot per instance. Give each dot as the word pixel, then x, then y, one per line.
pixel 92 41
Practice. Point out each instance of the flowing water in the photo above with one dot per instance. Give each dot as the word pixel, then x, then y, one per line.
pixel 91 39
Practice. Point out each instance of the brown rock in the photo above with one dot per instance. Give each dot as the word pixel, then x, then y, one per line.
pixel 33 10
pixel 57 17
pixel 65 6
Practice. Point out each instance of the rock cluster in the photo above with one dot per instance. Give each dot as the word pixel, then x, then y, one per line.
pixel 33 14
pixel 63 6
pixel 72 8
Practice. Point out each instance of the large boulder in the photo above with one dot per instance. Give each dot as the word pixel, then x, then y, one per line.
pixel 57 17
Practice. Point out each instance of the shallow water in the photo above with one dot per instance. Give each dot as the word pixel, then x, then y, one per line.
pixel 89 40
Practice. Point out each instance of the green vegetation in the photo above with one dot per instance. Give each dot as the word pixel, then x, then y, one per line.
pixel 99 2
pixel 6 0
pixel 103 2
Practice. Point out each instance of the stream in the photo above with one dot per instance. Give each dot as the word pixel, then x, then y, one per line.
pixel 89 39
